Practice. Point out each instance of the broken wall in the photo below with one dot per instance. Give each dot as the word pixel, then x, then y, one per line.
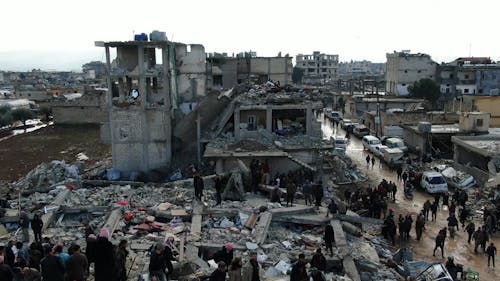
pixel 191 71
pixel 143 144
pixel 281 165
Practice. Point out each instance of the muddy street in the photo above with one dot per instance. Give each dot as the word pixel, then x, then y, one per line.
pixel 456 247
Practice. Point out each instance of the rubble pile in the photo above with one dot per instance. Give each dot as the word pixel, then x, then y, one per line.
pixel 344 171
pixel 50 174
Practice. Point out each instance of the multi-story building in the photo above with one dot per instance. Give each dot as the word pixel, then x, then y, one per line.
pixel 94 69
pixel 226 72
pixel 318 68
pixel 359 69
pixel 469 76
pixel 403 69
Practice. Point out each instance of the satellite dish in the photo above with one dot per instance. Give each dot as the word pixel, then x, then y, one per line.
pixel 134 93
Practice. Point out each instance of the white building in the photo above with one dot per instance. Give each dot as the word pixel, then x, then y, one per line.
pixel 318 68
pixel 404 69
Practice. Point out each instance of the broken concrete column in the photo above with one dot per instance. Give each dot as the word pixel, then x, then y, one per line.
pixel 309 119
pixel 262 227
pixel 237 124
pixel 113 220
pixel 352 229
pixel 269 119
pixel 58 201
pixel 341 243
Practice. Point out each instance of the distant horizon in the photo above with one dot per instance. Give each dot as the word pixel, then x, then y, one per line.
pixel 59 35
pixel 21 61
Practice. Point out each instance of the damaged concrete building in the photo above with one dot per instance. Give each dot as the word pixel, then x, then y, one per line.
pixel 280 128
pixel 147 82
pixel 226 72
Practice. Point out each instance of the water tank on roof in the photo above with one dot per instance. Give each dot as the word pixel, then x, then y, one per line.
pixel 424 127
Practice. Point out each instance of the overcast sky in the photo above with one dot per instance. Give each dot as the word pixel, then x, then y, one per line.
pixel 60 34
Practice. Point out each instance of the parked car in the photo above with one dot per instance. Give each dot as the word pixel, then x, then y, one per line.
pixel 350 126
pixel 396 143
pixel 457 179
pixel 393 156
pixel 378 150
pixel 339 142
pixel 360 131
pixel 435 272
pixel 369 141
pixel 433 182
pixel 343 122
pixel 336 116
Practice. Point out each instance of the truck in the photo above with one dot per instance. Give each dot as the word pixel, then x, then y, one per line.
pixel 393 131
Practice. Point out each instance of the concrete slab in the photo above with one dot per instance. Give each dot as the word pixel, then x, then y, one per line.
pixel 311 219
pixel 113 220
pixel 262 227
pixel 58 201
pixel 295 210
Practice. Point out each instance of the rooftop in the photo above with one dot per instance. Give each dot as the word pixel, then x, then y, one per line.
pixel 486 145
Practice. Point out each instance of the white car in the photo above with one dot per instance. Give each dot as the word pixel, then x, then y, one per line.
pixel 396 143
pixel 434 182
pixel 378 150
pixel 370 141
pixel 339 143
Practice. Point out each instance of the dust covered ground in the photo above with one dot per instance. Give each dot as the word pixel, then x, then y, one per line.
pixel 21 153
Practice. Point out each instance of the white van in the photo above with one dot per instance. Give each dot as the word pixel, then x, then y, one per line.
pixel 396 143
pixel 434 182
pixel 369 142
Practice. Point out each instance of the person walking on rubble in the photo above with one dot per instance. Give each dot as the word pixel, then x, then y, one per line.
pixel 318 193
pixel 198 186
pixel 291 188
pixel 121 254
pixel 234 271
pixel 368 161
pixel 104 259
pixel 220 273
pixel 318 260
pixel 307 191
pixel 36 226
pixel 218 189
pixel 24 223
pixel 329 238
pixel 299 272
pixel 251 269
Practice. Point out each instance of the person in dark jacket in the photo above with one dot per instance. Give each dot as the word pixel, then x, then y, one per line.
pixel 440 238
pixel 318 260
pixel 104 259
pixel 318 193
pixel 491 251
pixel 36 226
pixel 121 254
pixel 198 185
pixel 158 263
pixel 52 268
pixel 225 254
pixel 90 251
pixel 5 271
pixel 470 230
pixel 24 223
pixel 220 273
pixel 10 257
pixel 291 189
pixel 299 272
pixel 77 266
pixel 329 238
pixel 218 184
